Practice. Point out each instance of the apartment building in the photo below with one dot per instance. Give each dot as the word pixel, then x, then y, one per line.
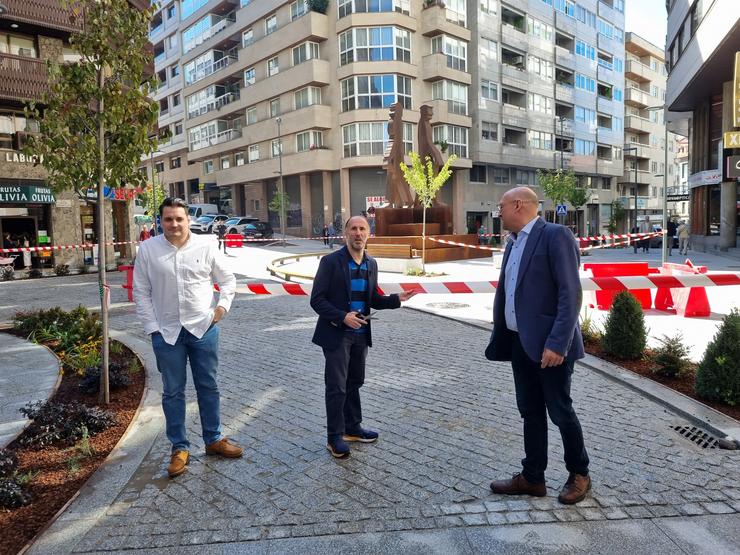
pixel 703 38
pixel 678 190
pixel 550 94
pixel 30 34
pixel 642 184
pixel 256 91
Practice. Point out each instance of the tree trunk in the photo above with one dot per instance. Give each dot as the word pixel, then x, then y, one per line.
pixel 104 390
pixel 423 238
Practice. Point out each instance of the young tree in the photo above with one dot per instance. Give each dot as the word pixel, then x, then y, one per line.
pixel 426 185
pixel 279 203
pixel 557 185
pixel 152 201
pixel 96 118
pixel 577 197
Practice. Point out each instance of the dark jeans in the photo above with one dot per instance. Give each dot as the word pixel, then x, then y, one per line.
pixel 540 392
pixel 344 374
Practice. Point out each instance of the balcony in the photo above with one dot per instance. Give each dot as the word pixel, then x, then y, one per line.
pixel 564 93
pixel 220 24
pixel 565 23
pixel 609 167
pixel 441 114
pixel 608 13
pixel 22 78
pixel 227 60
pixel 320 159
pixel 607 44
pixel 514 77
pixel 43 13
pixel 312 72
pixel 217 139
pixel 214 104
pixel 640 99
pixel 564 57
pixel 637 71
pixel 434 22
pixel 511 36
pixel 642 125
pixel 434 67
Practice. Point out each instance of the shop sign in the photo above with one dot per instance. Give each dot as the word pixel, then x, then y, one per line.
pixel 732 167
pixel 116 193
pixel 677 198
pixel 26 194
pixel 64 203
pixel 736 91
pixel 707 177
pixel 731 139
pixel 375 202
pixel 20 158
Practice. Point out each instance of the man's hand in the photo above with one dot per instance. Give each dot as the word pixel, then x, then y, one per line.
pixel 551 358
pixel 406 295
pixel 219 313
pixel 352 320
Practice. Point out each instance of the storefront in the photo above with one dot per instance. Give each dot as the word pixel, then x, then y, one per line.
pixel 25 218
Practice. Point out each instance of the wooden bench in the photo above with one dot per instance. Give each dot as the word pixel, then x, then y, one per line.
pixel 389 251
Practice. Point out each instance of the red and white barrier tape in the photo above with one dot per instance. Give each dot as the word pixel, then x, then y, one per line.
pixel 457 244
pixel 462 287
pixel 65 247
pixel 593 247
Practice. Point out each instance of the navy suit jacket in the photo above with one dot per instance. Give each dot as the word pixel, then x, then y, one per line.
pixel 547 298
pixel 331 295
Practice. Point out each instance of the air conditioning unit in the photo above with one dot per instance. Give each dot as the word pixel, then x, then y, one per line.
pixel 519 59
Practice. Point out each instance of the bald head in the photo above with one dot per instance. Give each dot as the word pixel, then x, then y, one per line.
pixel 518 207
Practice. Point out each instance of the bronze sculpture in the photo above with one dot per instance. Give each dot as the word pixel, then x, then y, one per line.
pixel 398 191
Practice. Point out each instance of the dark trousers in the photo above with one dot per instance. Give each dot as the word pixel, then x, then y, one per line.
pixel 222 243
pixel 344 374
pixel 539 392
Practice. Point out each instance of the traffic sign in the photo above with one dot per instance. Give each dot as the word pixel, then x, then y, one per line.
pixel 732 167
pixel 561 210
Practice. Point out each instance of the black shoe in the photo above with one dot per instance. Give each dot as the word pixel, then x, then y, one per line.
pixel 338 448
pixel 363 436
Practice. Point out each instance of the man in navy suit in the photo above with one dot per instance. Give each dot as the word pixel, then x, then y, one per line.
pixel 535 326
pixel 344 290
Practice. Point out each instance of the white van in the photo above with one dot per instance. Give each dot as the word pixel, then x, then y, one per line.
pixel 195 211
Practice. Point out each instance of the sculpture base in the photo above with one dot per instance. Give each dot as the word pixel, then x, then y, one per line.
pixel 387 217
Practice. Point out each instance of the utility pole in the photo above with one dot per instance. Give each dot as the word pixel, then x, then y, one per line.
pixel 281 189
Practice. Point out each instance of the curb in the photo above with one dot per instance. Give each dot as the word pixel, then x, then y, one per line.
pixel 691 409
pixel 91 503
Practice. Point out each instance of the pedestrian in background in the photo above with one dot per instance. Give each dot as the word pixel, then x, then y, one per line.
pixel 635 240
pixel 535 326
pixel 174 276
pixel 344 291
pixel 683 238
pixel 332 232
pixel 221 229
pixel 143 234
pixel 325 233
pixel 672 227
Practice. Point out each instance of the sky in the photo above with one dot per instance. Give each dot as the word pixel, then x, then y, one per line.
pixel 647 18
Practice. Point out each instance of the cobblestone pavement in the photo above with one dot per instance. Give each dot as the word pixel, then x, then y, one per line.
pixel 448 426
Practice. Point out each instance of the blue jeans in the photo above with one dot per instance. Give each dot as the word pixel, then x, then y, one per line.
pixel 541 392
pixel 171 362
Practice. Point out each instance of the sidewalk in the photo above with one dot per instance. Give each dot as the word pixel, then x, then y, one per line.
pixel 28 372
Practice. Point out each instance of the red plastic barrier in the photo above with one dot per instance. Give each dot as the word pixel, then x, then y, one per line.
pixel 689 302
pixel 604 299
pixel 234 240
pixel 129 285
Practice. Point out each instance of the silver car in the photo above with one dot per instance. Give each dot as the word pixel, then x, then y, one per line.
pixel 207 223
pixel 238 224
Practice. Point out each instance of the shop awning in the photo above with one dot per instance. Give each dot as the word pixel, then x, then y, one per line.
pixel 26 194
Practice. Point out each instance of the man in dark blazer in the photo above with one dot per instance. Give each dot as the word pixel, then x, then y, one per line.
pixel 535 326
pixel 344 290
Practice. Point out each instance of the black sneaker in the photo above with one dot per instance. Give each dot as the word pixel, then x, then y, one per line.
pixel 361 435
pixel 338 448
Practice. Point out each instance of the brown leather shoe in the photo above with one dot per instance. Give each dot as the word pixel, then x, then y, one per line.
pixel 575 489
pixel 223 448
pixel 518 485
pixel 178 462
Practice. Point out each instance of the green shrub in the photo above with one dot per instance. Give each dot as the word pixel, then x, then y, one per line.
pixel 61 269
pixel 118 377
pixel 66 330
pixel 318 5
pixel 55 422
pixel 589 329
pixel 35 273
pixel 671 359
pixel 718 374
pixel 7 273
pixel 625 335
pixel 11 494
pixel 8 463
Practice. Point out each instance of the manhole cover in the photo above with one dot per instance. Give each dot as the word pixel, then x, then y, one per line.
pixel 448 305
pixel 702 438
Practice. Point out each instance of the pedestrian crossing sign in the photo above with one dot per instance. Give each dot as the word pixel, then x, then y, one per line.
pixel 561 210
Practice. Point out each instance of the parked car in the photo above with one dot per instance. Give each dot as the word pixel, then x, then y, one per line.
pixel 207 223
pixel 195 211
pixel 258 230
pixel 237 224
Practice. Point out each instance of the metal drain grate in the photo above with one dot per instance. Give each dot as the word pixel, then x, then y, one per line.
pixel 702 438
pixel 447 305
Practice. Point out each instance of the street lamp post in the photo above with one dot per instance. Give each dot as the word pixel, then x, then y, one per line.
pixel 281 191
pixel 664 222
pixel 627 149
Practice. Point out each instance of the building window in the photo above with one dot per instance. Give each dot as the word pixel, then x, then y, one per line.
pixel 254 153
pixel 189 7
pixel 539 139
pixel 249 77
pixel 371 138
pixel 347 7
pixel 273 67
pixel 585 50
pixel 539 103
pixel 270 24
pixel 276 147
pixel 488 6
pixel 247 37
pixel 525 177
pixel 363 92
pixel 478 173
pixel 305 51
pixel 584 148
pixel 537 66
pixel 374 44
pixel 175 162
pixel 488 49
pixel 225 162
pixel 584 115
pixel 298 8
pixel 309 140
pixel 541 30
pixel 274 107
pixel 208 167
pixel 456 95
pixel 251 115
pixel 307 97
pixel 239 158
pixel 455 50
pixel 500 176
pixel 455 136
pixel 489 90
pixel 489 131
pixel 175 100
pixel 174 71
pixel 585 83
pixel 178 129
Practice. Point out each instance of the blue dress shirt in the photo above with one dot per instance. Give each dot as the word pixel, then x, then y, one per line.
pixel 519 241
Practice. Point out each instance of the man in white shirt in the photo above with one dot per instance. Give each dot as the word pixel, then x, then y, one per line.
pixel 173 291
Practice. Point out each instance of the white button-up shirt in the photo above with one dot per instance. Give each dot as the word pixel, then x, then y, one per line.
pixel 173 287
pixel 513 263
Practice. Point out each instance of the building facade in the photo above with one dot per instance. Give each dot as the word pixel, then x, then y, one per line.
pixel 258 91
pixel 30 214
pixel 703 37
pixel 678 191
